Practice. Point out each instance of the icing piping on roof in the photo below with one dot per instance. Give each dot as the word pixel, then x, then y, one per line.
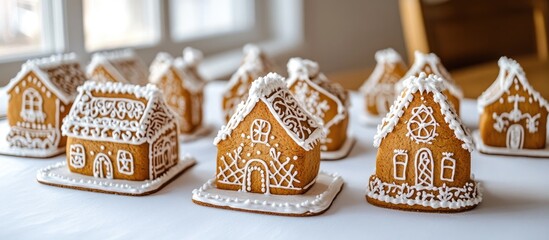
pixel 41 66
pixel 110 58
pixel 192 56
pixel 265 89
pixel 423 85
pixel 383 57
pixel 512 69
pixel 162 65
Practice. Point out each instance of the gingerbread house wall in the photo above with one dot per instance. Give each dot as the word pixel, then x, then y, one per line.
pixel 528 107
pixel 392 73
pixel 397 147
pixel 260 156
pixel 186 104
pixel 53 108
pixel 323 104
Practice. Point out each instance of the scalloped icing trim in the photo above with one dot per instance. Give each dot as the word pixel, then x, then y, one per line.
pixel 423 84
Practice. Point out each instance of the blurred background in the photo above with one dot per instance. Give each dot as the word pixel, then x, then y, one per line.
pixel 468 35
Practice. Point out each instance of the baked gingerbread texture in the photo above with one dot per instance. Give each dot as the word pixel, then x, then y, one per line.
pixel 423 161
pixel 254 65
pixel 183 92
pixel 39 98
pixel 270 145
pixel 327 101
pixel 431 64
pixel 513 114
pixel 120 131
pixel 379 89
pixel 117 66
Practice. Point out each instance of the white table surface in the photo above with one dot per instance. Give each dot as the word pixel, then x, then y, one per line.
pixel 515 206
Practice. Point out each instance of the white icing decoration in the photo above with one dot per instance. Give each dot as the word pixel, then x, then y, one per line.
pixel 31 107
pixel 422 125
pixel 272 91
pixel 400 163
pixel 515 137
pixel 124 160
pixel 516 115
pixel 423 85
pixel 424 167
pixel 259 131
pixel 434 197
pixel 102 166
pixel 77 156
pixel 448 164
pixel 510 71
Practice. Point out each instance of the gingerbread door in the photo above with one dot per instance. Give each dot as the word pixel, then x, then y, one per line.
pixel 102 166
pixel 256 177
pixel 515 136
pixel 424 167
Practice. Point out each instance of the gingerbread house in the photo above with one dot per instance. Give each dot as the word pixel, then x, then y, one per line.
pixel 270 145
pixel 120 131
pixel 192 58
pixel 379 89
pixel 325 100
pixel 117 66
pixel 431 64
pixel 513 115
pixel 182 91
pixel 39 98
pixel 255 64
pixel 423 161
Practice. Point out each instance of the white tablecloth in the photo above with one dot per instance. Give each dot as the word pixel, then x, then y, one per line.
pixel 515 206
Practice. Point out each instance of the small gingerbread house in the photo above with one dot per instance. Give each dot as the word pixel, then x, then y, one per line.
pixel 120 131
pixel 513 114
pixel 117 66
pixel 325 100
pixel 379 89
pixel 423 161
pixel 270 145
pixel 182 91
pixel 431 64
pixel 39 98
pixel 255 64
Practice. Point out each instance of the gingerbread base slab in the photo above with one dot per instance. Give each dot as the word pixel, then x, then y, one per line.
pixel 405 207
pixel 314 202
pixel 371 120
pixel 5 148
pixel 198 133
pixel 59 175
pixel 481 147
pixel 342 152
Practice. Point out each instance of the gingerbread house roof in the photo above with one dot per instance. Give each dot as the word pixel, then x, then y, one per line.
pixel 308 71
pixel 124 65
pixel 96 115
pixel 432 61
pixel 253 65
pixel 272 91
pixel 60 73
pixel 383 57
pixel 509 72
pixel 162 65
pixel 423 85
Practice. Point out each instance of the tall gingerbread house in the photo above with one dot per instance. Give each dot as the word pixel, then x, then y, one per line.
pixel 270 145
pixel 254 65
pixel 117 66
pixel 325 100
pixel 513 115
pixel 431 64
pixel 181 89
pixel 379 89
pixel 39 98
pixel 423 161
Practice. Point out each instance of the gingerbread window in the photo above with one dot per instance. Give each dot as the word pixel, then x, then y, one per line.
pixel 259 131
pixel 448 168
pixel 400 161
pixel 125 162
pixel 31 110
pixel 77 156
pixel 422 125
